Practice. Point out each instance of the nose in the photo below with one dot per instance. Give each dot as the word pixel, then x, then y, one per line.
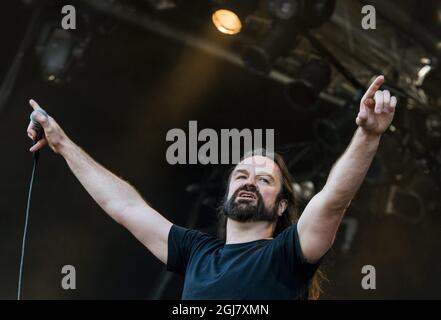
pixel 250 186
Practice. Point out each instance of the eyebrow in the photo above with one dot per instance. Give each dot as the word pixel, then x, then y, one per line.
pixel 240 171
pixel 244 171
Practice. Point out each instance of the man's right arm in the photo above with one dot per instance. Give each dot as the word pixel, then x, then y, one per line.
pixel 120 200
pixel 114 195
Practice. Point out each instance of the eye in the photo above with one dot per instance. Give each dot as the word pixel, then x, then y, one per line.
pixel 240 177
pixel 264 180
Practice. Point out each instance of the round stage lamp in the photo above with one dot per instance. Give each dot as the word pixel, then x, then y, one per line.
pixel 226 21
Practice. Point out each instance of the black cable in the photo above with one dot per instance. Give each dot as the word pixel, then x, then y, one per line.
pixel 23 245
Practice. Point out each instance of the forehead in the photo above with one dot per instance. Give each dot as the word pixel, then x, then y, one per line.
pixel 258 165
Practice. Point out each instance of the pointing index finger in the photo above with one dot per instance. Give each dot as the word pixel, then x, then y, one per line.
pixel 370 93
pixel 34 104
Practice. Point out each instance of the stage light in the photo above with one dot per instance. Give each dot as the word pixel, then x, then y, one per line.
pixel 412 200
pixel 422 73
pixel 260 57
pixel 425 60
pixel 229 16
pixel 428 79
pixel 317 12
pixel 290 17
pixel 57 54
pixel 58 50
pixel 281 37
pixel 302 93
pixel 308 14
pixel 334 132
pixel 285 9
pixel 226 21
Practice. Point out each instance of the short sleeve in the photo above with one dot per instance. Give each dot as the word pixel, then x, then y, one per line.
pixel 182 245
pixel 288 241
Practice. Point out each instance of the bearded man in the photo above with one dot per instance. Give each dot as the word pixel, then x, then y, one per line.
pixel 269 251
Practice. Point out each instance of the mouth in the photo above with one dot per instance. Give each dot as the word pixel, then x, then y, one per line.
pixel 246 195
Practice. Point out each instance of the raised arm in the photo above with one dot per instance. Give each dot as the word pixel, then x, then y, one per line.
pixel 322 216
pixel 114 195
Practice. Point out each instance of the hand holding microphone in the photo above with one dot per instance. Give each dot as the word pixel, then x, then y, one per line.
pixel 44 130
pixel 35 125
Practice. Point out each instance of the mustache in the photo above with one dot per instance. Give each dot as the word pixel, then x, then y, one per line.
pixel 247 188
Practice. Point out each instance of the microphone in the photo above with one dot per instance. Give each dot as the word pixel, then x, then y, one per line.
pixel 38 130
pixel 37 126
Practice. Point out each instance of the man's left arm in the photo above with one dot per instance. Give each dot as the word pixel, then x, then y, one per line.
pixel 322 216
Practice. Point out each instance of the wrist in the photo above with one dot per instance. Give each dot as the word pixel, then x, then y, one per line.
pixel 369 135
pixel 66 147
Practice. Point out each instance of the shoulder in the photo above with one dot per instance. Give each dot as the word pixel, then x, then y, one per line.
pixel 187 236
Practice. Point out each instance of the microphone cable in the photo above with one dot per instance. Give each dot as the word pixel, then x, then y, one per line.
pixel 39 134
pixel 25 231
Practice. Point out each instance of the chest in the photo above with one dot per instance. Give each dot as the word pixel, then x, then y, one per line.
pixel 229 275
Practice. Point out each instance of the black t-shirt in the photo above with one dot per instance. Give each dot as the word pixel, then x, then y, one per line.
pixel 260 269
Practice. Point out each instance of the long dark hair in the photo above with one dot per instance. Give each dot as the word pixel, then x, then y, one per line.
pixel 289 216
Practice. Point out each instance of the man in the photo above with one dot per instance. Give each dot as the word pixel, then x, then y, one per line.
pixel 264 256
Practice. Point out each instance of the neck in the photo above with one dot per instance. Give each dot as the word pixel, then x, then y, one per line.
pixel 239 232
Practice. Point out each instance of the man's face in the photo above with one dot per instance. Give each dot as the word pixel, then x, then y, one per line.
pixel 253 190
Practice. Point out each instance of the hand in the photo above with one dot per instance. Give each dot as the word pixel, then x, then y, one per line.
pixel 53 134
pixel 377 109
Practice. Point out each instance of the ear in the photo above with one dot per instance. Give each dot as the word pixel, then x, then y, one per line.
pixel 283 204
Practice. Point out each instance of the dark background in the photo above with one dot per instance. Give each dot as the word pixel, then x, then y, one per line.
pixel 132 87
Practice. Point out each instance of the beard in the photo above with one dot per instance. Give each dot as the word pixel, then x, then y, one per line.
pixel 247 211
